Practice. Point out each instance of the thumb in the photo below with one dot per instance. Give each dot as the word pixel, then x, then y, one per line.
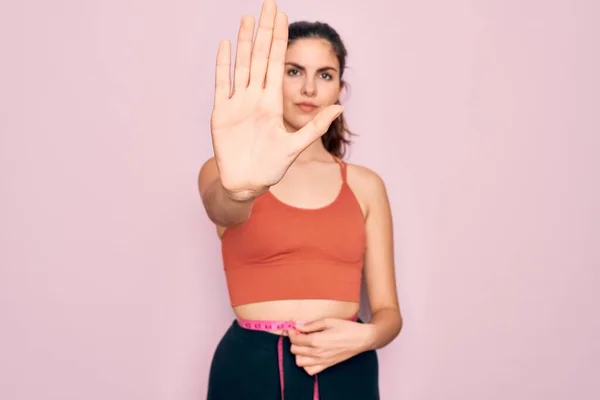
pixel 313 326
pixel 316 128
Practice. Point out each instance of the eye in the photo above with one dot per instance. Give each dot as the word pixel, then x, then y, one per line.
pixel 326 76
pixel 293 72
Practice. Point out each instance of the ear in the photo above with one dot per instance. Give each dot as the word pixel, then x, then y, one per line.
pixel 342 86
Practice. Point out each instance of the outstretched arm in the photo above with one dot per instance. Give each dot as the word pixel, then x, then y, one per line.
pixel 220 207
pixel 252 148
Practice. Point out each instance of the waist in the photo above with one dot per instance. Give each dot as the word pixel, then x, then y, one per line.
pixel 278 326
pixel 261 327
pixel 296 311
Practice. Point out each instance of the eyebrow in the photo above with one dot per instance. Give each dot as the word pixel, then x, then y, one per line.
pixel 300 67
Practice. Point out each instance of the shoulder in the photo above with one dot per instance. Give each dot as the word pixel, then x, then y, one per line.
pixel 364 176
pixel 367 185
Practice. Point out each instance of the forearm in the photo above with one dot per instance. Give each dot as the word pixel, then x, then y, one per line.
pixel 386 325
pixel 222 209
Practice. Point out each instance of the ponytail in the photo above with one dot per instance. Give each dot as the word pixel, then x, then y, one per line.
pixel 337 138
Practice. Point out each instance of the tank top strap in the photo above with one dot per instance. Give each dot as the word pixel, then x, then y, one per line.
pixel 343 168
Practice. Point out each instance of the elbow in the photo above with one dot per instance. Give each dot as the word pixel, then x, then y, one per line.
pixel 400 325
pixel 387 324
pixel 398 322
pixel 224 217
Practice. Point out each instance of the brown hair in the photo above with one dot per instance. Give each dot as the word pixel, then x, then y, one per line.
pixel 336 139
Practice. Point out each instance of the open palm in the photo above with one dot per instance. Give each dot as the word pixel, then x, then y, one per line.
pixel 253 150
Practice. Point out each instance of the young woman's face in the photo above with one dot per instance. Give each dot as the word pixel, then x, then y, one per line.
pixel 311 81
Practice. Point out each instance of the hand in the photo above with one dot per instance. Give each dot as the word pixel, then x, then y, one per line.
pixel 253 150
pixel 323 343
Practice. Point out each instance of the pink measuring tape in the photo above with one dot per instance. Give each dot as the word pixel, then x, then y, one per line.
pixel 262 325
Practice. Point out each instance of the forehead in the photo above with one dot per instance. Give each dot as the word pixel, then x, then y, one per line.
pixel 311 52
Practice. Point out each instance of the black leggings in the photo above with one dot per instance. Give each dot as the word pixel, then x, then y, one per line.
pixel 245 367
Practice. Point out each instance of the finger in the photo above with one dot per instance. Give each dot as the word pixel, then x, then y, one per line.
pixel 274 80
pixel 315 128
pixel 300 339
pixel 300 350
pixel 314 369
pixel 302 361
pixel 222 73
pixel 312 327
pixel 243 52
pixel 262 45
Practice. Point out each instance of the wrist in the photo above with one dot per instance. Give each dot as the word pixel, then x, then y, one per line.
pixel 240 197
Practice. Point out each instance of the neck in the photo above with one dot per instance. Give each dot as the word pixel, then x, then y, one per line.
pixel 316 151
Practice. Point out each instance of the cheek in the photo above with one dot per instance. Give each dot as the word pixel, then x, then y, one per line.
pixel 329 93
pixel 290 88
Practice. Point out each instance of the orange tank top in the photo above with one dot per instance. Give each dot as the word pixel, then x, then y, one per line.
pixel 285 252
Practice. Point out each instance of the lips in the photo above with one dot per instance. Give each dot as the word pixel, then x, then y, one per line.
pixel 307 107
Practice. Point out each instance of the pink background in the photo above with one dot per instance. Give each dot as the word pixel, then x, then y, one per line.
pixel 482 117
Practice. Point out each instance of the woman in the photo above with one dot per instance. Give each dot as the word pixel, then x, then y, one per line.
pixel 298 225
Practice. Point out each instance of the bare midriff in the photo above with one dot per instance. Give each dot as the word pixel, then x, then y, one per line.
pixel 297 310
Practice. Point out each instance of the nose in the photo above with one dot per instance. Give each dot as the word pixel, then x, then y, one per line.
pixel 309 88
